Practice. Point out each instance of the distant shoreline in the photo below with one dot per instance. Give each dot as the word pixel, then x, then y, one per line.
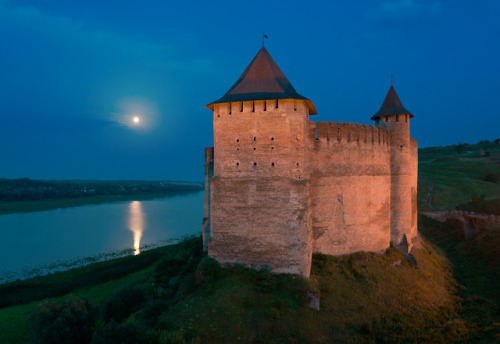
pixel 13 207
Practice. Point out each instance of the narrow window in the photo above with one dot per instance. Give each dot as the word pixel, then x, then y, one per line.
pixel 397 118
pixel 237 140
pixel 254 138
pixel 265 105
pixel 253 106
pixel 237 164
pixel 272 164
pixel 230 107
pixel 406 118
pixel 277 103
pixel 254 148
pixel 272 138
pixel 297 164
pixel 241 109
pixel 294 105
pixel 255 164
pixel 386 119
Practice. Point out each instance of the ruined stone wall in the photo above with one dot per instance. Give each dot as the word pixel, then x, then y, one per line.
pixel 350 187
pixel 260 213
pixel 414 183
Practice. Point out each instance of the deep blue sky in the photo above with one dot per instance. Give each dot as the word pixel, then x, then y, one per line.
pixel 72 73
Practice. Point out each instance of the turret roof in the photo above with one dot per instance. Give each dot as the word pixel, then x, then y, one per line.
pixel 392 105
pixel 262 80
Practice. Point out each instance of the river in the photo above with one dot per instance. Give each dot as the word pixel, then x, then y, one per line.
pixel 52 240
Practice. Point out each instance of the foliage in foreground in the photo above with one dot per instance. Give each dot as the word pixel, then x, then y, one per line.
pixel 364 297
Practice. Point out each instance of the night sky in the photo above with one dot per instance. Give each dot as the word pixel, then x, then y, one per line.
pixel 74 73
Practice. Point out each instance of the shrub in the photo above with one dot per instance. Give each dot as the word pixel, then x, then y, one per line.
pixel 493 178
pixel 124 333
pixel 210 268
pixel 266 281
pixel 167 269
pixel 68 322
pixel 126 301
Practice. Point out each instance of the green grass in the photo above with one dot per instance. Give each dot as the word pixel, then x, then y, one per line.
pixel 448 179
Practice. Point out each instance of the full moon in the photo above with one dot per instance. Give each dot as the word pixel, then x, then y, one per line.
pixel 136 119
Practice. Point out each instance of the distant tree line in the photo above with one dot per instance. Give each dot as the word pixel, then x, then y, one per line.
pixel 29 189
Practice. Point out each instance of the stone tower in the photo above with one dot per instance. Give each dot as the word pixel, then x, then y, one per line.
pixel 259 211
pixel 279 187
pixel 396 118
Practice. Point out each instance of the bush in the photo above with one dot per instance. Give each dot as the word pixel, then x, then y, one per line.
pixel 68 322
pixel 210 269
pixel 124 333
pixel 126 301
pixel 493 178
pixel 266 281
pixel 167 269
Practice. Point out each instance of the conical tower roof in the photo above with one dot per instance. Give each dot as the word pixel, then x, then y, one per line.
pixel 392 105
pixel 262 80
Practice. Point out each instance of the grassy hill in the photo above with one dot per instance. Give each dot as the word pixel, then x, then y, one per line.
pixel 454 175
pixel 176 294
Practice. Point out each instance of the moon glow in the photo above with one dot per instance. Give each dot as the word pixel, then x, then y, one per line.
pixel 136 120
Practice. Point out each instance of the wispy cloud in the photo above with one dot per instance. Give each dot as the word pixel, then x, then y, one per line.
pixel 74 32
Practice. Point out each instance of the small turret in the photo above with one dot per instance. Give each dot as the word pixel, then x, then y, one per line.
pixel 396 118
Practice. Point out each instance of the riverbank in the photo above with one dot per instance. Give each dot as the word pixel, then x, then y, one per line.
pixel 12 207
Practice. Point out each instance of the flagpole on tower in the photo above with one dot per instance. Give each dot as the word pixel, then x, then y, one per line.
pixel 264 36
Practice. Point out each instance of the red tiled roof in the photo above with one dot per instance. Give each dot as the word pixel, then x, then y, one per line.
pixel 392 106
pixel 262 80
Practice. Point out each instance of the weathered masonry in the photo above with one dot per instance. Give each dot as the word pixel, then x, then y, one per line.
pixel 279 187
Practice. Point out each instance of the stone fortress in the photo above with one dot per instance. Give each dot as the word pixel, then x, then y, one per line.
pixel 279 187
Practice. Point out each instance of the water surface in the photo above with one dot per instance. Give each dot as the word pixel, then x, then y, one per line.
pixel 50 237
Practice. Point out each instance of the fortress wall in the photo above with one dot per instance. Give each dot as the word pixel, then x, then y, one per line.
pixel 209 172
pixel 350 187
pixel 401 182
pixel 259 192
pixel 414 183
pixel 261 222
pixel 257 138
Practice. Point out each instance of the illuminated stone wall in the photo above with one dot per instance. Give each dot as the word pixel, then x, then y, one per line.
pixel 260 193
pixel 350 187
pixel 284 187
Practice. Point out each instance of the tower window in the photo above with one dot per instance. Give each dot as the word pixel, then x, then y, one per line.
pixel 241 109
pixel 277 103
pixel 237 164
pixel 386 119
pixel 254 138
pixel 297 164
pixel 397 118
pixel 254 148
pixel 272 164
pixel 237 140
pixel 230 107
pixel 272 138
pixel 255 164
pixel 265 105
pixel 253 106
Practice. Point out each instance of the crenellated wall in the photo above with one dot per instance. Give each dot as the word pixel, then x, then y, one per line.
pixel 350 187
pixel 281 187
pixel 259 212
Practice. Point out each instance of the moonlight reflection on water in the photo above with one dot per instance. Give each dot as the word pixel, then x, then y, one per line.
pixel 136 224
